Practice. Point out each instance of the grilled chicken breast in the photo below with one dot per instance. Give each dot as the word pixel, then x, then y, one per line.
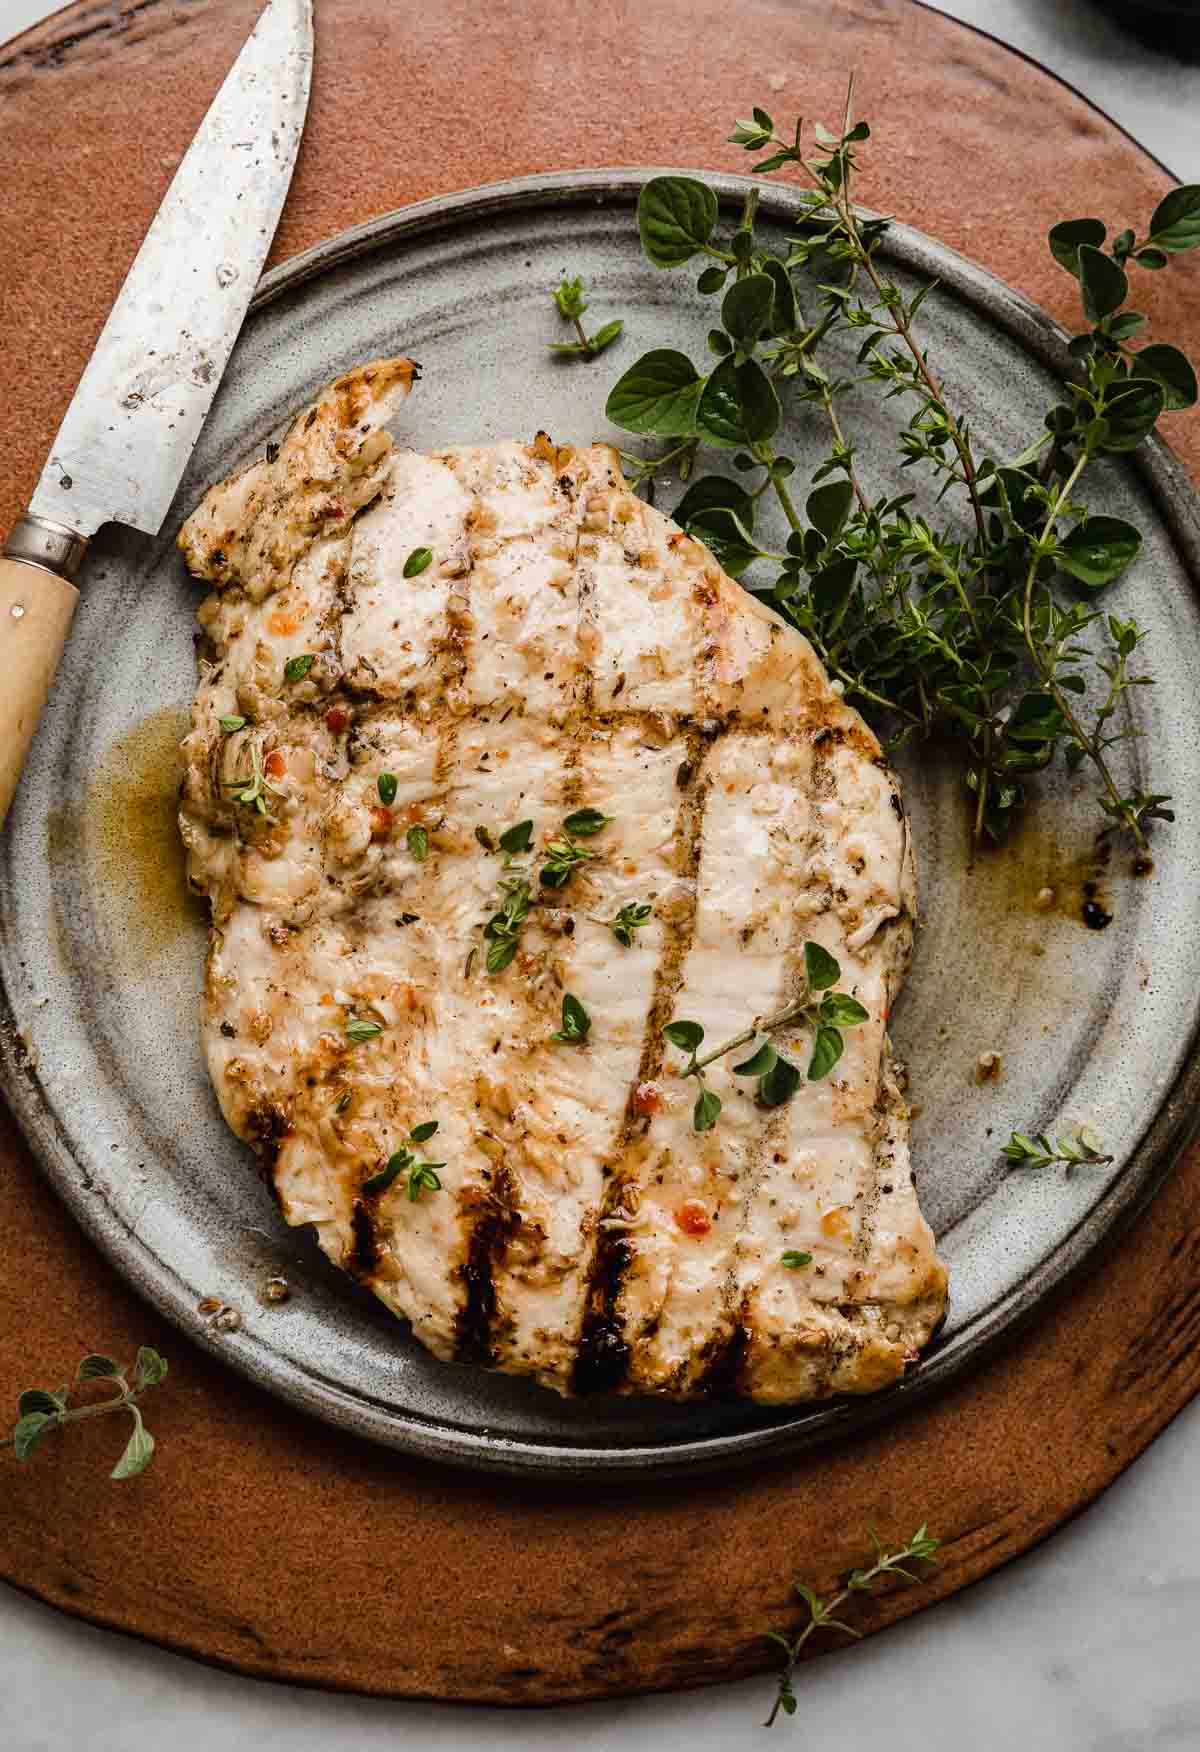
pixel 564 647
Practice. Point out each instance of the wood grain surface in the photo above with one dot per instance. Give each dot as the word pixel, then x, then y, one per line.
pixel 260 1539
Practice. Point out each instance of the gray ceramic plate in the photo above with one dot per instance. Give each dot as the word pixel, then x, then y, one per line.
pixel 101 951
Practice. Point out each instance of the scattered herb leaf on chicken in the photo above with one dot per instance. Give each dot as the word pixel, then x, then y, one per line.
pixel 417 841
pixel 417 562
pixel 778 1078
pixel 296 668
pixel 503 929
pixel 576 1023
pixel 632 916
pixel 360 1028
pixel 386 784
pixel 404 1162
pixel 232 721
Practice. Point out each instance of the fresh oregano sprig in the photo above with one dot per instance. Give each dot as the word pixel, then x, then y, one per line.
pixel 571 306
pixel 503 929
pixel 778 1078
pixel 921 1548
pixel 39 1411
pixel 978 629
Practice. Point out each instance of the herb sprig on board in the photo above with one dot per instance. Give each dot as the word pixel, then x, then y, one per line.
pixel 571 304
pixel 921 1548
pixel 39 1412
pixel 981 629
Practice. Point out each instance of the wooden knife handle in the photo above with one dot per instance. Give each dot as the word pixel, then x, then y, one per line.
pixel 35 615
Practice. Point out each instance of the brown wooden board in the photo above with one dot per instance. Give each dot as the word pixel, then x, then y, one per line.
pixel 265 1541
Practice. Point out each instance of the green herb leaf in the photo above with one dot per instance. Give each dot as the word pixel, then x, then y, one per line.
pixel 685 1035
pixel 1036 717
pixel 632 916
pixel 739 405
pixel 139 1450
pixel 1099 549
pixel 397 1164
pixel 794 1260
pixel 231 722
pixel 296 668
pixel 658 395
pixel 418 561
pixel 1130 414
pixel 676 218
pixel 386 784
pixel 150 1368
pixel 500 954
pixel 1151 258
pixel 420 1133
pixel 829 506
pixel 95 1367
pixel 1169 367
pixel 517 838
pixel 417 841
pixel 29 1431
pixel 576 1023
pixel 586 822
pixel 569 298
pixel 713 492
pixel 1066 238
pixel 726 538
pixel 711 280
pixel 783 315
pixel 759 1062
pixel 423 1177
pixel 1101 282
pixel 842 1010
pixel 358 1029
pixel 1175 222
pixel 748 307
pixel 827 1050
pixel 605 335
pixel 706 1111
pixel 820 969
pixel 780 1083
pixel 36 1399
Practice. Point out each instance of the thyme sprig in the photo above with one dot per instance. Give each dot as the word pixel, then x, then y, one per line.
pixel 778 1078
pixel 40 1411
pixel 253 791
pixel 503 929
pixel 420 1175
pixel 921 1548
pixel 1081 1149
pixel 977 630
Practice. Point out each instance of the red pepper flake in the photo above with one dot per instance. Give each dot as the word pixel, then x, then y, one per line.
pixel 647 1098
pixel 275 764
pixel 337 720
pixel 381 822
pixel 693 1218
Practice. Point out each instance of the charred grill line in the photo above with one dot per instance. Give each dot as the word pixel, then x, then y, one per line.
pixel 497 1223
pixel 603 1352
pixel 364 1252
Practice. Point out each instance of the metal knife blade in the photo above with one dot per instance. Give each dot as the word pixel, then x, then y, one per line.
pixel 146 391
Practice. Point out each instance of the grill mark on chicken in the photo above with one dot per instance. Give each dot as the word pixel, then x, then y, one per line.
pixel 603 1352
pixel 510 1261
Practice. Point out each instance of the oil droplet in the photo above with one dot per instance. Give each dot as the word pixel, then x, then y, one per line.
pixel 226 274
pixel 17 611
pixel 276 1289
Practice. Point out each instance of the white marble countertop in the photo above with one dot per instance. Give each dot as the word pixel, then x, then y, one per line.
pixel 1086 1645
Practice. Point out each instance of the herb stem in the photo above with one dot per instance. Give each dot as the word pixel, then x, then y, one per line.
pixel 760 1025
pixel 1089 744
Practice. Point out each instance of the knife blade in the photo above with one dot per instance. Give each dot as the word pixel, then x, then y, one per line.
pixel 145 393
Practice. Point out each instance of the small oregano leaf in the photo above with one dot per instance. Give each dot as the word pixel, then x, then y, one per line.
pixel 139 1450
pixel 1099 549
pixel 820 968
pixel 1102 283
pixel 1172 369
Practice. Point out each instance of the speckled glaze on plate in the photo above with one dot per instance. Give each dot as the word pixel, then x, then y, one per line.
pixel 101 952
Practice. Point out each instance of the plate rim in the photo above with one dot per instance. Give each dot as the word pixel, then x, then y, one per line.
pixel 1176 1121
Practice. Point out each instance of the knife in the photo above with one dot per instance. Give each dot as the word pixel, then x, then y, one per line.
pixel 146 390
